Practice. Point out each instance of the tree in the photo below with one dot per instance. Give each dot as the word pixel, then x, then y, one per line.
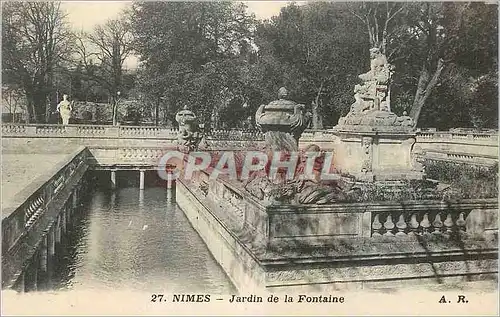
pixel 103 53
pixel 314 50
pixel 427 41
pixel 35 39
pixel 381 21
pixel 14 100
pixel 188 52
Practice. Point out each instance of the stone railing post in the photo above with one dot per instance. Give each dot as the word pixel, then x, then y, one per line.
pixel 72 131
pixel 30 130
pixel 366 224
pixel 112 131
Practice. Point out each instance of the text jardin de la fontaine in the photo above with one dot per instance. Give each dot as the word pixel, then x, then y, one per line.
pixel 287 299
pixel 260 299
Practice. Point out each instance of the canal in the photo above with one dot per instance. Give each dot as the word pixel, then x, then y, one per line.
pixel 131 239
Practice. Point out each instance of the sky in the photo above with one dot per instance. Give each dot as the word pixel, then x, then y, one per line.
pixel 84 15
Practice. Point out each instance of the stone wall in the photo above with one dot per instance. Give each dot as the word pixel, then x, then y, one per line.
pixel 28 219
pixel 343 246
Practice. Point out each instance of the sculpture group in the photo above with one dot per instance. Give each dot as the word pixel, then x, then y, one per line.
pixel 359 154
pixel 373 97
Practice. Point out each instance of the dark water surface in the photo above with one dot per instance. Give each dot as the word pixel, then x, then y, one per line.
pixel 135 240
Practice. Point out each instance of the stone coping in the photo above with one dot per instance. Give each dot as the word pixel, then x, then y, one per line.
pixel 375 130
pixel 463 153
pixel 388 206
pixel 385 248
pixel 9 207
pixel 426 133
pixel 375 206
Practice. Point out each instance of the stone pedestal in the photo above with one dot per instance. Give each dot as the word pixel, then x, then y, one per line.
pixel 373 142
pixel 376 155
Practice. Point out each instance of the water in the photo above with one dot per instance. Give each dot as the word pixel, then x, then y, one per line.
pixel 135 240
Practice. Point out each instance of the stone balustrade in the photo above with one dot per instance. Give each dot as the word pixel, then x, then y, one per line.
pixel 361 244
pixel 418 223
pixel 317 135
pixel 30 204
pixel 98 131
pixel 417 218
pixel 76 130
pixel 457 145
pixel 313 225
pixel 458 134
pixel 34 208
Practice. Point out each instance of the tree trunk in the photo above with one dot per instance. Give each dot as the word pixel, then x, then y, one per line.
pixel 37 107
pixel 47 110
pixel 115 108
pixel 40 103
pixel 424 89
pixel 30 110
pixel 316 111
pixel 317 122
pixel 157 111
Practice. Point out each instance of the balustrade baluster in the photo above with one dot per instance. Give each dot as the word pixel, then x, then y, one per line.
pixel 389 226
pixel 28 212
pixel 461 222
pixel 376 226
pixel 437 224
pixel 448 223
pixel 414 224
pixel 425 223
pixel 401 225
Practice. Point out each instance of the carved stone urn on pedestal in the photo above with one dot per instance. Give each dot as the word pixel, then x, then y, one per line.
pixel 282 121
pixel 190 134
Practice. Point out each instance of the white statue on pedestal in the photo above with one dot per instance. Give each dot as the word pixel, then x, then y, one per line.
pixel 64 108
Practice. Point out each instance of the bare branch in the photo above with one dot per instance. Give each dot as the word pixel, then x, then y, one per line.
pixel 353 12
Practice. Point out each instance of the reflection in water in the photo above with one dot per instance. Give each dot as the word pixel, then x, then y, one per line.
pixel 137 240
pixel 141 199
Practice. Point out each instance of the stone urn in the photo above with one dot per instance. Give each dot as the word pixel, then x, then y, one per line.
pixel 282 121
pixel 190 134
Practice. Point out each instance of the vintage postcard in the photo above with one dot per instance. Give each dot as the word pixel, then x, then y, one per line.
pixel 249 158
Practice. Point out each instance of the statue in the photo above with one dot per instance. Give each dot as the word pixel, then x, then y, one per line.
pixel 190 134
pixel 372 106
pixel 405 120
pixel 374 93
pixel 64 108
